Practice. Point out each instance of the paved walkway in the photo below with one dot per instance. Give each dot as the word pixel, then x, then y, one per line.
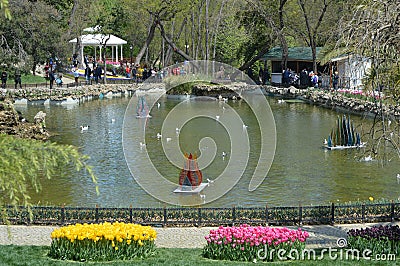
pixel 177 237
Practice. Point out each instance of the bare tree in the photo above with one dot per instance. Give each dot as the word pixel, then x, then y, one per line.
pixel 373 33
pixel 313 14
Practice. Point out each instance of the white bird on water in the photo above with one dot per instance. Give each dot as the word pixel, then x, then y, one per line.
pixel 84 128
pixel 159 136
pixel 368 158
pixel 217 117
pixel 158 105
pixel 177 130
pixel 142 145
pixel 169 139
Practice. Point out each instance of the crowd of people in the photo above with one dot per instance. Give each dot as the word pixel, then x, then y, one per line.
pixel 307 78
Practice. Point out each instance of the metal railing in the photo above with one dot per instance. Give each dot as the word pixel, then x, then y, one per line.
pixel 207 216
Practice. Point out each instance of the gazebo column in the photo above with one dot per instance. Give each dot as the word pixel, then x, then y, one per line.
pixel 121 54
pixel 116 53
pixel 101 58
pixel 112 53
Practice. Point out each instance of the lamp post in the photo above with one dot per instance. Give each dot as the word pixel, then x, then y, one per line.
pixel 131 47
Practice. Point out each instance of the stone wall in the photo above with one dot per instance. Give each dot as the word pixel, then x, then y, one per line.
pixel 327 99
pixel 61 94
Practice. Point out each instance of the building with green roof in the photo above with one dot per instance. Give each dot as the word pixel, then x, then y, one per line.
pixel 298 59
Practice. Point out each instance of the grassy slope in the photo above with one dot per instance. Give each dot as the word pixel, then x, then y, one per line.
pixel 33 255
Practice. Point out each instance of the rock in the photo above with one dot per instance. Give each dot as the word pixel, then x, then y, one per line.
pixel 11 123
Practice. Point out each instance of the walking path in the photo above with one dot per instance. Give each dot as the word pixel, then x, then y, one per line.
pixel 321 236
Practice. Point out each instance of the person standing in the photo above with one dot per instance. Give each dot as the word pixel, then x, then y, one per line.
pixel 99 72
pixel 4 76
pixel 76 76
pixel 304 79
pixel 88 73
pixel 286 76
pixel 51 78
pixel 17 78
pixel 335 80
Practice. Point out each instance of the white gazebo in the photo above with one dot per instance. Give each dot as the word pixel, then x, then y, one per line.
pixel 99 40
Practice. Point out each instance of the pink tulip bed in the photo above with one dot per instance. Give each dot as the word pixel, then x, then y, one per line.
pixel 250 243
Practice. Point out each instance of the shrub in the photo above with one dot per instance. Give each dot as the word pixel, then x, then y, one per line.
pixel 102 242
pixel 247 243
pixel 379 239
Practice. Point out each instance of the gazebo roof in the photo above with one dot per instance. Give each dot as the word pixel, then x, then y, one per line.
pixel 98 39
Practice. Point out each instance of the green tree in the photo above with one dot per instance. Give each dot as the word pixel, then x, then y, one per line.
pixel 25 162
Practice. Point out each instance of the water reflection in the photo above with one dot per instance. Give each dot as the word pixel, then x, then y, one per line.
pixel 301 172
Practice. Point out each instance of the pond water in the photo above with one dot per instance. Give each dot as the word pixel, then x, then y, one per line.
pixel 302 171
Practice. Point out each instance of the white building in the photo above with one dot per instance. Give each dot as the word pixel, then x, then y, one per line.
pixel 352 70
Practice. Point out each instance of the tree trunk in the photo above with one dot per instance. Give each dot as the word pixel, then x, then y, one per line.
pixel 207 31
pixel 150 37
pixel 172 44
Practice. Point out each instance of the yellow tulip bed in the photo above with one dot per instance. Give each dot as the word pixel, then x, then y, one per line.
pixel 102 242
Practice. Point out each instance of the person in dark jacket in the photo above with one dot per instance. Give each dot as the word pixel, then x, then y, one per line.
pixel 4 76
pixel 304 79
pixel 17 78
pixel 51 78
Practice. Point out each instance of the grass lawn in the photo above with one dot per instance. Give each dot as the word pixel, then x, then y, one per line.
pixel 34 255
pixel 28 79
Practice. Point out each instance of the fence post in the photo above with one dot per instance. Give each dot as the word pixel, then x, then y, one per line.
pixel 130 214
pixel 300 214
pixel 266 215
pixel 199 217
pixel 165 217
pixel 63 214
pixel 97 214
pixel 333 213
pixel 363 213
pixel 392 211
pixel 233 215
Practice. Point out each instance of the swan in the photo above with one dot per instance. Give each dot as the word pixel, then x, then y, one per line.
pixel 159 136
pixel 169 139
pixel 84 128
pixel 217 117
